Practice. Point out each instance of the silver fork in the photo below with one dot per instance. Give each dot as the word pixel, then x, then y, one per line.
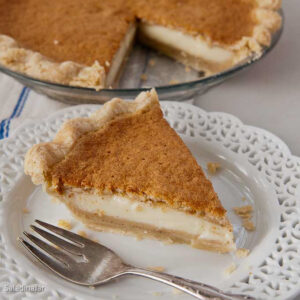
pixel 88 263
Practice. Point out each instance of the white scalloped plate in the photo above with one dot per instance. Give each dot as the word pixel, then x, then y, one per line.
pixel 255 164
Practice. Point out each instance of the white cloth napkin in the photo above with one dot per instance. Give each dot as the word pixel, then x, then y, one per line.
pixel 19 104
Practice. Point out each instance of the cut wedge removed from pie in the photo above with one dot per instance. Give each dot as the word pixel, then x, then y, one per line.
pixel 124 169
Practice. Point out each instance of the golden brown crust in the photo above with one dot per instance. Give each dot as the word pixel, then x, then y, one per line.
pixel 126 147
pixel 13 56
pixel 138 154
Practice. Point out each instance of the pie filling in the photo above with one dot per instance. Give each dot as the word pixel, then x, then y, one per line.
pixel 194 46
pixel 146 213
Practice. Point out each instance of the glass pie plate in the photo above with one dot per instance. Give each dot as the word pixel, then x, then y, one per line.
pixel 145 68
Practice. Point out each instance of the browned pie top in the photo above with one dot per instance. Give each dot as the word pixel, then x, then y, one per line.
pixel 87 30
pixel 224 21
pixel 139 154
pixel 78 30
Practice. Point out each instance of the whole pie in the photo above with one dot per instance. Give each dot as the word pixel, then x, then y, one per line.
pixel 124 169
pixel 86 42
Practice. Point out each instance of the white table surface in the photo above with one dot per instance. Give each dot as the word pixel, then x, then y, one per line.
pixel 267 95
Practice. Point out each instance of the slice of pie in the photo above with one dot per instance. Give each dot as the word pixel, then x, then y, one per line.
pixel 124 169
pixel 86 42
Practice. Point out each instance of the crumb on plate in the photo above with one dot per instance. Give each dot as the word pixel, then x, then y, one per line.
pixel 213 167
pixel 26 210
pixel 157 294
pixel 243 210
pixel 230 269
pixel 157 268
pixel 176 291
pixel 242 252
pixel 248 225
pixel 82 233
pixel 246 216
pixel 64 224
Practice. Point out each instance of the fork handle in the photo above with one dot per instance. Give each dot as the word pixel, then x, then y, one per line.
pixel 199 290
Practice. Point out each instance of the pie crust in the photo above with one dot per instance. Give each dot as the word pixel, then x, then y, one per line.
pixel 125 160
pixel 241 27
pixel 38 66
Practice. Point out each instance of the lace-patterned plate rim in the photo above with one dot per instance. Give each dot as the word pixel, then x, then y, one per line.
pixel 265 151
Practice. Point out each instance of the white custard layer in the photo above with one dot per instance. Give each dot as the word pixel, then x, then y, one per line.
pixel 120 56
pixel 194 46
pixel 141 212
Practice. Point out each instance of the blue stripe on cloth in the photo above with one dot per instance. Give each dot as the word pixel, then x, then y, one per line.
pixel 5 124
pixel 2 129
pixel 20 109
pixel 23 102
pixel 16 111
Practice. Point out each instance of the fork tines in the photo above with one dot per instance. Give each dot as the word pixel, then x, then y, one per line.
pixel 58 249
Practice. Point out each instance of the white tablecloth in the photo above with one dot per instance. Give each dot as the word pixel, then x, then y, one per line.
pixel 19 103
